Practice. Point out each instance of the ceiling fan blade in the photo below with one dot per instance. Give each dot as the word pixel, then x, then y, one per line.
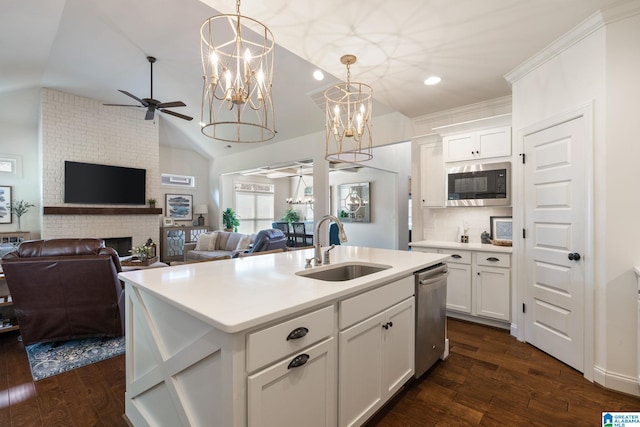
pixel 173 113
pixel 171 104
pixel 149 115
pixel 144 103
pixel 123 105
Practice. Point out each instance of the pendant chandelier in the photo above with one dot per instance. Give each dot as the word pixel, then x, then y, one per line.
pixel 237 61
pixel 295 197
pixel 348 119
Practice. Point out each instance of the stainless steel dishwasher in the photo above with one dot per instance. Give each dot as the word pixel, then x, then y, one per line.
pixel 431 300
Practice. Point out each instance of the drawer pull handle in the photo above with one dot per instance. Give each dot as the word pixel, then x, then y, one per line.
pixel 493 259
pixel 298 361
pixel 456 256
pixel 297 333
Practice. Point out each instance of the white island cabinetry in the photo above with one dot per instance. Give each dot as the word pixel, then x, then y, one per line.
pixel 376 353
pixel 247 342
pixel 301 389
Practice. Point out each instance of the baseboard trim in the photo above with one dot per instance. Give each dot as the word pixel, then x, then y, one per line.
pixel 477 319
pixel 615 381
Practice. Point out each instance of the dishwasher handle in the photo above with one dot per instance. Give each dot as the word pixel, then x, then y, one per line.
pixel 435 279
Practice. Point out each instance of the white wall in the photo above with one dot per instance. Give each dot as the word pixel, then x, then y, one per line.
pixel 619 200
pixel 381 231
pixel 599 70
pixel 20 141
pixel 188 163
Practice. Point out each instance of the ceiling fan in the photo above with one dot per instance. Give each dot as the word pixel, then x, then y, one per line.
pixel 153 104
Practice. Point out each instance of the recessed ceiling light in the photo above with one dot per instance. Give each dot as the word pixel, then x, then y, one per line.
pixel 318 75
pixel 433 80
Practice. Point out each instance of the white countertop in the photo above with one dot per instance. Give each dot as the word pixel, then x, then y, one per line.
pixel 441 244
pixel 237 294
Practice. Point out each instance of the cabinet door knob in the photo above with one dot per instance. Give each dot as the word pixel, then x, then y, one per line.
pixel 297 333
pixel 574 256
pixel 298 361
pixel 385 326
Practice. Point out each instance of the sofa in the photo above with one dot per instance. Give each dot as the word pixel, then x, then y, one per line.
pixel 65 289
pixel 216 245
pixel 268 240
pixel 221 244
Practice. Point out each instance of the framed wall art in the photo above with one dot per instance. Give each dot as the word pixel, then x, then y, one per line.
pixel 354 203
pixel 5 204
pixel 179 206
pixel 501 228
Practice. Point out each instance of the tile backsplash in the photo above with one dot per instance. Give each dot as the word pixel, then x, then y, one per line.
pixel 443 223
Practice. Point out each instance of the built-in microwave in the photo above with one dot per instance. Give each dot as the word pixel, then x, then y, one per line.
pixel 486 184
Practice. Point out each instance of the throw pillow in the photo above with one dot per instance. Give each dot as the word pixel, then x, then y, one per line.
pixel 243 243
pixel 206 242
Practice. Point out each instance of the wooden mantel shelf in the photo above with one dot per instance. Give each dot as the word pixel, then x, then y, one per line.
pixel 72 210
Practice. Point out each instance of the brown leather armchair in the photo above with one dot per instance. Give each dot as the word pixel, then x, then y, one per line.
pixel 65 289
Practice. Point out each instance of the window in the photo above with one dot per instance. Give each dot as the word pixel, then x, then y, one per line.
pixel 254 206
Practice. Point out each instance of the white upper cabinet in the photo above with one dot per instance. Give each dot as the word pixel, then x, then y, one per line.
pixel 432 175
pixel 477 145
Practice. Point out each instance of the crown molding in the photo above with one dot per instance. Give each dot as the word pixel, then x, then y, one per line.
pixel 616 12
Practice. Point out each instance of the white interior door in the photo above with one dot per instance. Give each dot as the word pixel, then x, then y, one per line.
pixel 555 218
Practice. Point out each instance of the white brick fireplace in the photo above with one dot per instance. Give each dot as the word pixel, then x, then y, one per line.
pixel 83 130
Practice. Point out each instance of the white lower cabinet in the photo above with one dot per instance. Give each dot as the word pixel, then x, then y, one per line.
pixel 308 371
pixel 492 293
pixel 459 280
pixel 479 284
pixel 293 372
pixel 300 391
pixel 376 356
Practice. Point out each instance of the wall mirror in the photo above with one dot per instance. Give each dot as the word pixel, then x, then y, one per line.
pixel 353 202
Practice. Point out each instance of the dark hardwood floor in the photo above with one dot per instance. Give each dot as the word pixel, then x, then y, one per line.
pixel 88 396
pixel 492 379
pixel 489 379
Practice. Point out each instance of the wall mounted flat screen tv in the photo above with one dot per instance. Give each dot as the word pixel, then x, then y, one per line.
pixel 103 184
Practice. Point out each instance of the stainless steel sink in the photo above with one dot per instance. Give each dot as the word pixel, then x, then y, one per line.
pixel 343 272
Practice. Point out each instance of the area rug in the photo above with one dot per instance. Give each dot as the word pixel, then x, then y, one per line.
pixel 47 360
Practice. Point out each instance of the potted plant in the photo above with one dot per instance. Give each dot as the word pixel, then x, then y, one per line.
pixel 290 216
pixel 152 202
pixel 19 208
pixel 230 220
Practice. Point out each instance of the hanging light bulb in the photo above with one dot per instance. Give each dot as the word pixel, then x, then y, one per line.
pixel 348 119
pixel 295 197
pixel 237 107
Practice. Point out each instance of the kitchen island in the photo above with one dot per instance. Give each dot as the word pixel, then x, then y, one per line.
pixel 250 342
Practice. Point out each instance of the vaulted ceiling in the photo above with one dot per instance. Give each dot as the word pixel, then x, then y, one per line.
pixel 93 48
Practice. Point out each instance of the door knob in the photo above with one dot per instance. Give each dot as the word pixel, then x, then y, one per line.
pixel 574 256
